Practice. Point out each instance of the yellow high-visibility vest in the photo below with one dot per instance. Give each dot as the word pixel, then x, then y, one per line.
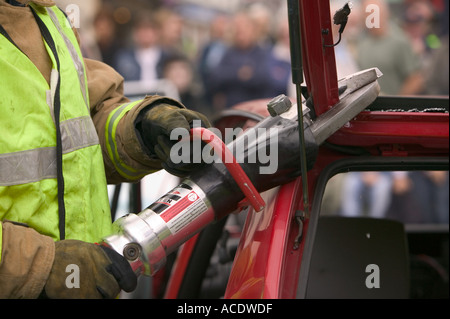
pixel 29 143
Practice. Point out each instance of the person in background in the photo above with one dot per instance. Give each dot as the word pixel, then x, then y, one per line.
pixel 212 52
pixel 366 194
pixel 180 71
pixel 106 35
pixel 243 72
pixel 263 20
pixel 384 45
pixel 437 72
pixel 418 24
pixel 145 59
pixel 171 33
pixel 420 197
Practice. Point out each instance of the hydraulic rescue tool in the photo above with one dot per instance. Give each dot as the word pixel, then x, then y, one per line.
pixel 224 185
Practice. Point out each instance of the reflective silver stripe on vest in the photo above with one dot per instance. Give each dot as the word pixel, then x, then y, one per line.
pixel 38 164
pixel 78 133
pixel 73 54
pixel 28 166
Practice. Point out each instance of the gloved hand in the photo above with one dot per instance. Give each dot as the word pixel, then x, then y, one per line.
pixel 102 272
pixel 155 129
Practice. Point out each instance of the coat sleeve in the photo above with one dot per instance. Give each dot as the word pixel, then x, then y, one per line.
pixel 26 260
pixel 114 116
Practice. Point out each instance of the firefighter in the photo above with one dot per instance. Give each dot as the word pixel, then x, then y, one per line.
pixel 66 131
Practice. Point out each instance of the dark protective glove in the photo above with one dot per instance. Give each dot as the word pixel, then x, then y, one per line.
pixel 155 128
pixel 100 272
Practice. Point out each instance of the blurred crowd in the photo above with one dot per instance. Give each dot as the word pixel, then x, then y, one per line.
pixel 417 197
pixel 227 57
pixel 218 58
